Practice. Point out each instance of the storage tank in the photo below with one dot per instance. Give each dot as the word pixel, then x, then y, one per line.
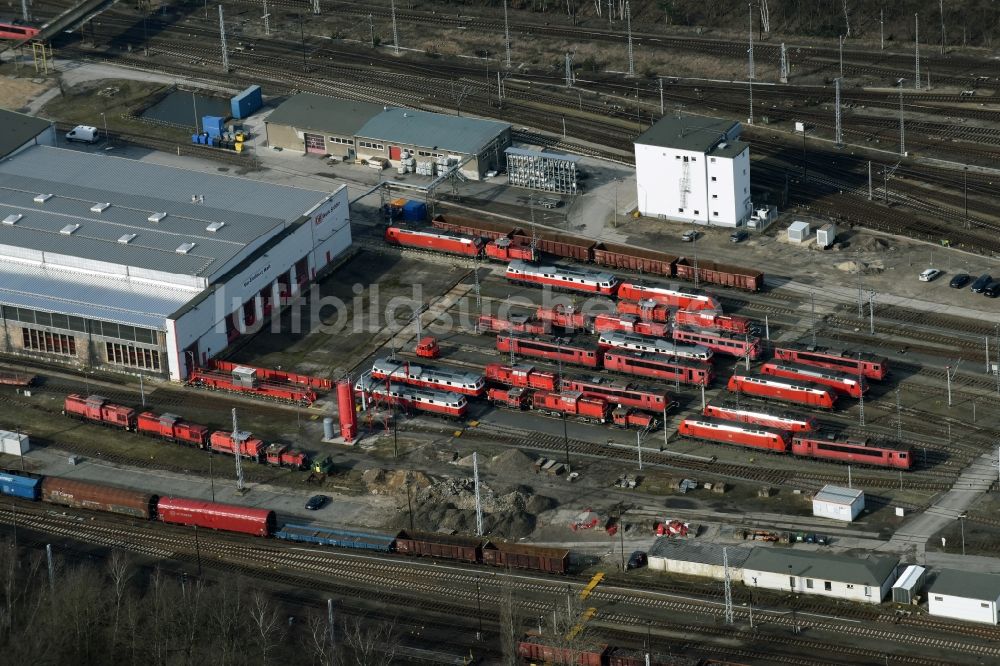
pixel 348 417
pixel 328 428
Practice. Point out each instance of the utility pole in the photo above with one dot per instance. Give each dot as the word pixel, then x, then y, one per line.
pixel 861 397
pixel 871 312
pixel 838 135
pixel 751 66
pixel 869 180
pixel 238 439
pixel 395 33
pixel 330 625
pixel 371 28
pixel 916 41
pixel 861 311
pixel 506 33
pixel 812 306
pixel 783 74
pixel 569 70
pixel 728 586
pixel 881 29
pixel 479 504
pixel 902 123
pixel 899 418
pixel 941 5
pixel 841 49
pixel 628 27
pixel 661 115
pixel 638 447
pixel 222 42
pixel 267 20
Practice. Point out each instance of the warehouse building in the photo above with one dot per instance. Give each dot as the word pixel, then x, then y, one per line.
pixel 965 595
pixel 838 503
pixel 867 579
pixel 19 131
pixel 120 264
pixel 694 169
pixel 677 556
pixel 310 123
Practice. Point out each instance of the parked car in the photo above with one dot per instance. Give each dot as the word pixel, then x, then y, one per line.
pixel 83 134
pixel 960 281
pixel 690 236
pixel 637 560
pixel 317 502
pixel 981 283
pixel 930 274
pixel 739 235
pixel 993 290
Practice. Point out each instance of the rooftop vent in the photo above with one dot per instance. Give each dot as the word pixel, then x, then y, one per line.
pixel 125 239
pixel 197 198
pixel 99 207
pixel 42 198
pixel 723 145
pixel 69 229
pixel 12 218
pixel 215 226
pixel 156 217
pixel 185 248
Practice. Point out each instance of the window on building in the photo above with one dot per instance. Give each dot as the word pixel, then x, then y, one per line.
pixel 50 343
pixel 809 583
pixel 716 213
pixel 711 159
pixel 680 210
pixel 677 157
pixel 132 356
pixel 715 196
pixel 694 159
pixel 850 587
pixel 828 586
pixel 868 591
pixel 791 581
pixel 696 212
pixel 744 172
pixel 938 598
pixel 984 604
pixel 714 179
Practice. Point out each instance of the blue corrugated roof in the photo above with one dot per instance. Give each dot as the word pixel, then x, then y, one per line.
pixel 456 134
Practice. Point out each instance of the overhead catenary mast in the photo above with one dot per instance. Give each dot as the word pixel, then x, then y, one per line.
pixel 395 34
pixel 916 51
pixel 238 439
pixel 751 65
pixel 628 24
pixel 783 74
pixel 506 33
pixel 222 41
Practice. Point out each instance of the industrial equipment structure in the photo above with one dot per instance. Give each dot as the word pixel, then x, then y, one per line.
pixel 548 172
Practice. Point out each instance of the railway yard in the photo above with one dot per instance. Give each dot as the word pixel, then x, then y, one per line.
pixel 529 397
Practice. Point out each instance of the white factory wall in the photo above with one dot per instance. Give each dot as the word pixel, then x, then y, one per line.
pixel 838 511
pixel 847 591
pixel 962 608
pixel 686 568
pixel 729 194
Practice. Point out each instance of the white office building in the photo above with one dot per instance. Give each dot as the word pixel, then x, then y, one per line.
pixel 867 580
pixel 694 169
pixel 965 595
pixel 838 503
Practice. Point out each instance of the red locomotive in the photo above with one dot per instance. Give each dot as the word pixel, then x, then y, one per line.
pixel 280 455
pixel 172 428
pixel 721 342
pixel 467 383
pixel 641 343
pixel 626 395
pixel 854 451
pixel 647 310
pixel 684 371
pixel 434 240
pixel 441 403
pixel 565 317
pixel 560 277
pixel 629 324
pixel 513 323
pixel 686 299
pixel 553 350
pixel 508 249
pixel 871 366
pixel 853 386
pixel 511 398
pixel 715 321
pixel 731 410
pixel 521 376
pixel 97 409
pixel 731 432
pixel 590 410
pixel 803 393
pixel 249 446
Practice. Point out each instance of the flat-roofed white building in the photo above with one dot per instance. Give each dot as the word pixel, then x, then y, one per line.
pixel 867 579
pixel 838 503
pixel 965 595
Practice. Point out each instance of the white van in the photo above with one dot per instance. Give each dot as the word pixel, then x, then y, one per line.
pixel 82 133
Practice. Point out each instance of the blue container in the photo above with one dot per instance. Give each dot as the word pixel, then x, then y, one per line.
pixel 248 101
pixel 325 536
pixel 213 124
pixel 196 138
pixel 19 486
pixel 414 211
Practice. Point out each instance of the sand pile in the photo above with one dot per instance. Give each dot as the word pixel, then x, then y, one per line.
pixel 390 482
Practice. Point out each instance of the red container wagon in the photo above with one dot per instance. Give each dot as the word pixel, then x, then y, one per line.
pixel 721 274
pixel 802 393
pixel 565 317
pixel 740 346
pixel 871 366
pixel 537 650
pixel 440 403
pixel 172 428
pixel 637 259
pixel 447 546
pixel 625 395
pixel 97 409
pixel 470 227
pixel 851 385
pixel 715 321
pixel 508 249
pixel 745 411
pixel 668 369
pixel 513 323
pixel 523 376
pixel 630 324
pixel 618 656
pixel 443 379
pixel 731 432
pixel 559 244
pixel 222 441
pixel 509 398
pixel 853 451
pixel 675 297
pixel 647 310
pixel 98 497
pixel 215 516
pixel 243 380
pixel 526 556
pixel 437 241
pixel 571 403
pixel 561 278
pixel 640 343
pixel 552 349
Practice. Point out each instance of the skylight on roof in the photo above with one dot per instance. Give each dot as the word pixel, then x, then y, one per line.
pixel 69 229
pixel 185 248
pixel 99 207
pixel 215 226
pixel 13 218
pixel 156 217
pixel 125 239
pixel 42 198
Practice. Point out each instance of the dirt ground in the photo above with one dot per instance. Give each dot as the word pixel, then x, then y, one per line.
pixel 18 92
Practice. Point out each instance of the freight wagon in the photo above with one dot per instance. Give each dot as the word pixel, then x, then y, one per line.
pixel 338 538
pixel 853 451
pixel 524 556
pixel 626 395
pixel 715 321
pixel 172 428
pixel 437 241
pixel 731 432
pixel 446 546
pixel 216 516
pixel 852 385
pixel 97 409
pixel 537 650
pixel 470 227
pixel 722 274
pixel 745 411
pixel 673 369
pixel 512 324
pixel 16 379
pixel 803 393
pixel 247 380
pixel 21 485
pixel 559 244
pixel 720 342
pixel 562 278
pixel 98 497
pixel 639 343
pixel 553 350
pixel 675 297
pixel 635 259
pixel 430 377
pixel 871 366
pixel 523 376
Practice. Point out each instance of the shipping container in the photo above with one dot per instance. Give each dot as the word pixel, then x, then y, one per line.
pixel 14 443
pixel 246 103
pixel 447 546
pixel 98 497
pixel 226 517
pixel 635 259
pixel 214 125
pixel 338 538
pixel 414 211
pixel 721 274
pixel 526 556
pixel 14 484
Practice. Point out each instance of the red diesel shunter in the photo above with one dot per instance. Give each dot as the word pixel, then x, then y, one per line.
pixel 647 310
pixel 172 428
pixel 715 321
pixel 626 417
pixel 721 342
pixel 854 451
pixel 672 369
pixel 510 398
pixel 684 298
pixel 871 366
pixel 565 317
pixel 280 455
pixel 215 516
pixel 249 446
pixel 549 349
pixel 803 393
pixel 746 411
pixel 97 409
pixel 521 376
pixel 626 395
pixel 571 403
pixel 851 385
pixel 731 432
pixel 630 324
pixel 513 323
pixel 437 241
pixel 508 249
pixel 560 277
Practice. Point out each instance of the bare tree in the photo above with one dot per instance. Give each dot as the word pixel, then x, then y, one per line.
pixel 266 625
pixel 510 624
pixel 319 638
pixel 369 643
pixel 118 569
pixel 847 20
